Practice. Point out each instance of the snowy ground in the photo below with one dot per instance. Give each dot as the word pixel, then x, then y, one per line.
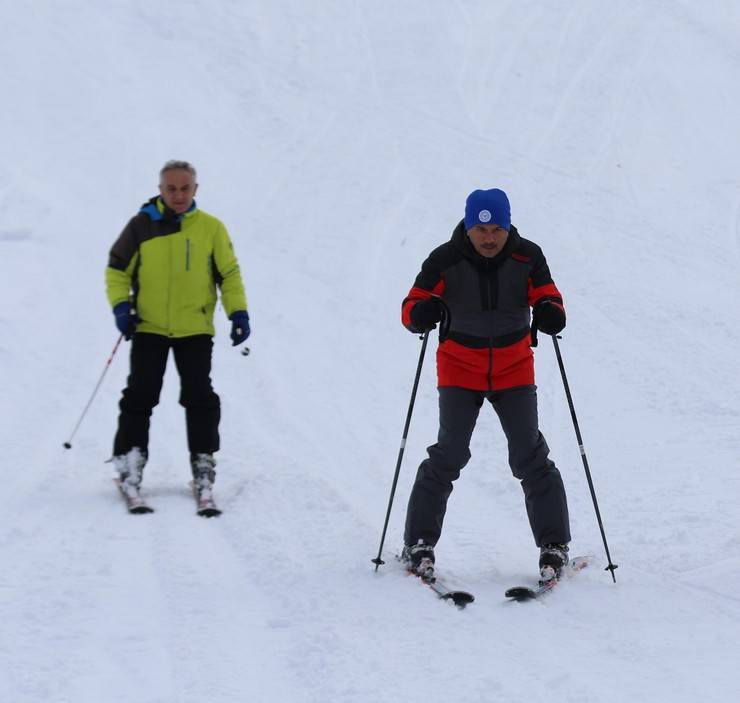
pixel 338 143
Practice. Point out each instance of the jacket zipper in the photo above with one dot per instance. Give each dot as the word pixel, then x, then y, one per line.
pixel 490 338
pixel 187 254
pixel 170 266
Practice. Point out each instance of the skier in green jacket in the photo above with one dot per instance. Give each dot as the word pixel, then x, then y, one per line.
pixel 161 282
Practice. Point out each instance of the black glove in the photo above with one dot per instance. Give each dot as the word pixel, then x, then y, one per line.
pixel 549 317
pixel 426 314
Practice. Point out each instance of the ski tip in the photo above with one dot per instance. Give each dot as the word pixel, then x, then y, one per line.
pixel 459 598
pixel 520 593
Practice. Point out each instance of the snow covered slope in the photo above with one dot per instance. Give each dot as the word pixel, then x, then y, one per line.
pixel 338 142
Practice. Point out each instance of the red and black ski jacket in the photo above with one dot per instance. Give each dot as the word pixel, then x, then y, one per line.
pixel 488 344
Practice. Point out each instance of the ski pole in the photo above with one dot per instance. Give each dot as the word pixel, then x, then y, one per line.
pixel 611 566
pixel 68 443
pixel 378 561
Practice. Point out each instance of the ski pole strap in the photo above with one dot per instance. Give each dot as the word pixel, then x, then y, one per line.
pixel 533 334
pixel 445 322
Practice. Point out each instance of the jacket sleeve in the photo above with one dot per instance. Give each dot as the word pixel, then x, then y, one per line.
pixel 429 282
pixel 122 261
pixel 541 286
pixel 228 275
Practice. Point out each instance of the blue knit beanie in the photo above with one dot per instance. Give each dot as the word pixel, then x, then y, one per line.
pixel 485 207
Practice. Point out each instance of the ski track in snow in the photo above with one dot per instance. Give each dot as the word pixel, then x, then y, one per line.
pixel 339 147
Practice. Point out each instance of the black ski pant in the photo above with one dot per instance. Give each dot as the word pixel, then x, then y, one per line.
pixel 516 408
pixel 149 354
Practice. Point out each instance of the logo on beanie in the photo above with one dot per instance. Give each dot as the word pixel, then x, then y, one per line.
pixel 484 215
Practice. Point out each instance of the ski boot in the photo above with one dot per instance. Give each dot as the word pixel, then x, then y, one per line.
pixel 204 474
pixel 553 557
pixel 419 560
pixel 129 467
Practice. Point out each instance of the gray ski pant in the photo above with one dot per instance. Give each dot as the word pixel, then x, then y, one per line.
pixel 544 494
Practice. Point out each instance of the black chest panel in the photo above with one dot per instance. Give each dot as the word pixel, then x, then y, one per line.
pixel 487 302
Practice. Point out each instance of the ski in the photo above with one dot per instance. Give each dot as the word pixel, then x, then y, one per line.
pixel 134 502
pixel 522 593
pixel 443 591
pixel 206 507
pixel 459 598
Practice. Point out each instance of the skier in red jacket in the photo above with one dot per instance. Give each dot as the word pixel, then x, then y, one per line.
pixel 486 279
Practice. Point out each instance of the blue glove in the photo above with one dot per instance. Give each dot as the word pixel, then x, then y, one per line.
pixel 239 327
pixel 126 319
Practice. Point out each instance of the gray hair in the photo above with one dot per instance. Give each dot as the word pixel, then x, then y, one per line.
pixel 173 165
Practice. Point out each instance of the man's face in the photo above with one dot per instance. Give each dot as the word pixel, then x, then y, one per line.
pixel 488 240
pixel 178 190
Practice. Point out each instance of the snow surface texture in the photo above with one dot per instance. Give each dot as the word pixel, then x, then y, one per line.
pixel 338 142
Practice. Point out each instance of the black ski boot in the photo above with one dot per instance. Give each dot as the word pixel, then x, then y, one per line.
pixel 419 560
pixel 553 557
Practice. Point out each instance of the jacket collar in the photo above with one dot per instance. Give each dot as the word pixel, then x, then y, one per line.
pixel 158 211
pixel 461 240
